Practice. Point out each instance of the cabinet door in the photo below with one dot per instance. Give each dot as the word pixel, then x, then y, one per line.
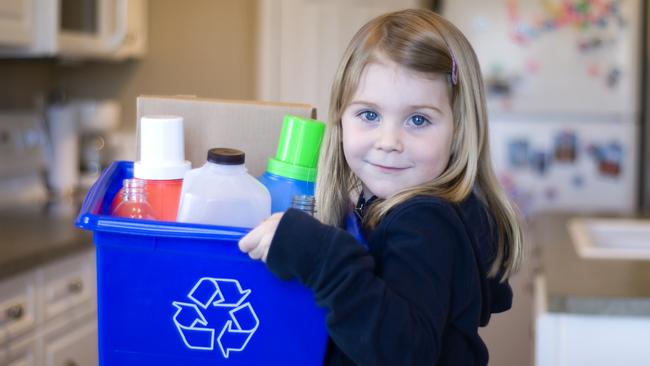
pixel 17 306
pixel 135 40
pixel 20 353
pixel 16 23
pixel 69 283
pixel 76 347
pixel 120 32
pixel 27 360
pixel 28 28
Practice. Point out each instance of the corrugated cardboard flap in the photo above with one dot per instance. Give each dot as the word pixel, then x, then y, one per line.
pixel 251 126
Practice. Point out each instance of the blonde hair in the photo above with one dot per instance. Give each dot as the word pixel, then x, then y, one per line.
pixel 422 41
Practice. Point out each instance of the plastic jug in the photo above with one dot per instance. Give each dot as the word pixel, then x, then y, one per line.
pixel 292 172
pixel 221 192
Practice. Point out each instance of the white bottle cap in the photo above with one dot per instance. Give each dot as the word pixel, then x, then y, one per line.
pixel 162 150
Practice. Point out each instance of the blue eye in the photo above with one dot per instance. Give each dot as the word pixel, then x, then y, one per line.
pixel 369 116
pixel 418 121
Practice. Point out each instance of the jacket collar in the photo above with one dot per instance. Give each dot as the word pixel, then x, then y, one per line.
pixel 362 205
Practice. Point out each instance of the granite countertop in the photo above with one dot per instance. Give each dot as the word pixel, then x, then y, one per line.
pixel 31 237
pixel 586 285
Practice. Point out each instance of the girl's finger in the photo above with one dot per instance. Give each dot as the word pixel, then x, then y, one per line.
pixel 252 239
pixel 257 252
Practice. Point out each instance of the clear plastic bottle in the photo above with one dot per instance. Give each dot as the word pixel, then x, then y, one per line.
pixel 305 203
pixel 133 201
pixel 221 192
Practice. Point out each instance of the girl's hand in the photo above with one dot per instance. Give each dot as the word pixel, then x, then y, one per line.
pixel 257 242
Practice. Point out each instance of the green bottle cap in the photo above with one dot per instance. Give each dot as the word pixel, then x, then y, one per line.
pixel 298 149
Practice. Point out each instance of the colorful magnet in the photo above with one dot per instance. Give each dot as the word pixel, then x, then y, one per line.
pixel 613 77
pixel 609 158
pixel 593 70
pixel 550 193
pixel 578 181
pixel 518 153
pixel 539 162
pixel 566 146
pixel 611 162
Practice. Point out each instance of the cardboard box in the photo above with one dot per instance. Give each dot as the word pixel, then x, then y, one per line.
pixel 251 126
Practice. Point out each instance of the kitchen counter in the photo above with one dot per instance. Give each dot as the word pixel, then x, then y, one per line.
pixel 32 237
pixel 584 285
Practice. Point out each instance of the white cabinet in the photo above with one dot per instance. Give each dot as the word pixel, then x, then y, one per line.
pixel 94 29
pixel 21 352
pixel 72 347
pixel 16 22
pixel 134 43
pixel 575 339
pixel 107 29
pixel 17 306
pixel 28 27
pixel 48 315
pixel 67 283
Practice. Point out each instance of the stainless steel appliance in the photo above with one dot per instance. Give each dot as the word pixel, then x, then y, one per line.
pixel 22 159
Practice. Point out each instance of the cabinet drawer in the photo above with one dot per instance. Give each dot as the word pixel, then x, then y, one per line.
pixel 67 284
pixel 75 346
pixel 20 353
pixel 17 306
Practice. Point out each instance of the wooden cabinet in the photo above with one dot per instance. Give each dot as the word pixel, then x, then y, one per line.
pixel 48 315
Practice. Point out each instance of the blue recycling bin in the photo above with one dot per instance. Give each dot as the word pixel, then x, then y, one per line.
pixel 183 294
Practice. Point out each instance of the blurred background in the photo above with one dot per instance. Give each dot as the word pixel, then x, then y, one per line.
pixel 567 91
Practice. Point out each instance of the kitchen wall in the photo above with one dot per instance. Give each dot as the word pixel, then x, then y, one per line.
pixel 200 47
pixel 20 80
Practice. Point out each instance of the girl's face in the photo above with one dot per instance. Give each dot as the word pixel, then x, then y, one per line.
pixel 397 129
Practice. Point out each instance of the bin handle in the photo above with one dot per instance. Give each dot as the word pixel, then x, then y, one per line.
pixel 97 191
pixel 168 229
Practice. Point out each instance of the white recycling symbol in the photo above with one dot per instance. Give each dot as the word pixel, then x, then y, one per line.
pixel 216 292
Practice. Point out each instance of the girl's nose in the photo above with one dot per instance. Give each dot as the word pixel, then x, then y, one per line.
pixel 389 138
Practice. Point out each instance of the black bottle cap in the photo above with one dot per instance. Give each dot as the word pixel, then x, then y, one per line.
pixel 226 156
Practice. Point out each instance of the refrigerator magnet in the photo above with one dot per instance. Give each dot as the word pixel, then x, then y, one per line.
pixel 518 153
pixel 566 146
pixel 539 162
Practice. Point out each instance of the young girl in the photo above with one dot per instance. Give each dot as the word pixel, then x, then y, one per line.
pixel 438 239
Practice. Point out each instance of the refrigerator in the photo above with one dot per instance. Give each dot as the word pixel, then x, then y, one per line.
pixel 563 81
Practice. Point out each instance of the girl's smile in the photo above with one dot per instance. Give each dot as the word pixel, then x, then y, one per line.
pixel 397 129
pixel 388 169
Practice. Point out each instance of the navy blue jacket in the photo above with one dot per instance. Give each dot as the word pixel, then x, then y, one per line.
pixel 415 296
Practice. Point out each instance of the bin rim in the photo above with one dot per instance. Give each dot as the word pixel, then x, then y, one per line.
pixel 109 182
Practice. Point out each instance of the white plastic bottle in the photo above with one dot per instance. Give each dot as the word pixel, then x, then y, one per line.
pixel 221 192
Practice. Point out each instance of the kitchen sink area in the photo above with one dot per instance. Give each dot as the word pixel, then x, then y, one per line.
pixel 611 238
pixel 592 273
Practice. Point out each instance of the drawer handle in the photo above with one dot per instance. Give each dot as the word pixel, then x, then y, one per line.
pixel 15 312
pixel 75 287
